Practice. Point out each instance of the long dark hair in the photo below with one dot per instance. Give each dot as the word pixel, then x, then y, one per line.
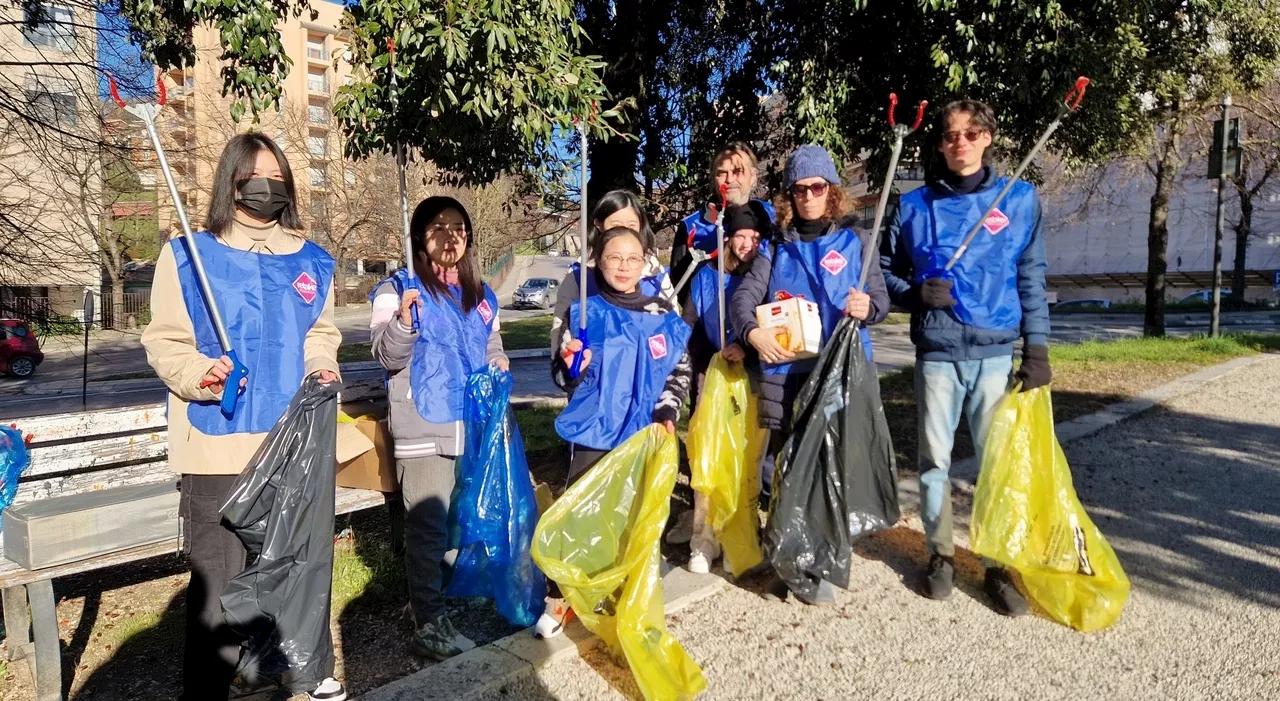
pixel 236 165
pixel 616 201
pixel 468 269
pixel 980 115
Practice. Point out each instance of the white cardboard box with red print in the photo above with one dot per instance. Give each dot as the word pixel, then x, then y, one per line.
pixel 797 324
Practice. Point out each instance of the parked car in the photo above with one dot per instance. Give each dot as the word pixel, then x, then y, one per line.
pixel 537 292
pixel 1203 296
pixel 1082 304
pixel 19 351
pixel 553 252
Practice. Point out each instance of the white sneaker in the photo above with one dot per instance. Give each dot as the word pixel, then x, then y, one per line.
pixel 699 564
pixel 554 618
pixel 329 690
pixel 683 530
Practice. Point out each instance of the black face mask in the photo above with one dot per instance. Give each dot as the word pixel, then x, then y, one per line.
pixel 262 198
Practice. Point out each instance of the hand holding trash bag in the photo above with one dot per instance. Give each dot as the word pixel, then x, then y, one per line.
pixel 1026 516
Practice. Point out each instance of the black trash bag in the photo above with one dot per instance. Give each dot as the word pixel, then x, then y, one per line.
pixel 836 480
pixel 281 508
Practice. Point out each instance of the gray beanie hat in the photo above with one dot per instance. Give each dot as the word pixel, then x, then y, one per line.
pixel 810 161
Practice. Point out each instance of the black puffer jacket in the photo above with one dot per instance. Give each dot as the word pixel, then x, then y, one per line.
pixel 778 392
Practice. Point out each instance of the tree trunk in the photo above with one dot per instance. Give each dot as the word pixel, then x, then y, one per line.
pixel 119 322
pixel 1158 231
pixel 339 277
pixel 1243 229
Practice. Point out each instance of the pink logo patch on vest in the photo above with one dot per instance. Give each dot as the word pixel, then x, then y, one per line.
pixel 658 346
pixel 486 312
pixel 306 287
pixel 996 222
pixel 833 262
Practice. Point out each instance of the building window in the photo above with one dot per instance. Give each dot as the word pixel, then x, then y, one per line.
pixel 52 99
pixel 317 82
pixel 316 146
pixel 315 48
pixel 317 114
pixel 349 177
pixel 317 176
pixel 49 26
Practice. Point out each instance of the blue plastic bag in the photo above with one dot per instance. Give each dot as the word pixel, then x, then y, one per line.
pixel 14 460
pixel 493 510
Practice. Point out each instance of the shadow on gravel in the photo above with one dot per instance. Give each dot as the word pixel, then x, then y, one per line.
pixel 1189 507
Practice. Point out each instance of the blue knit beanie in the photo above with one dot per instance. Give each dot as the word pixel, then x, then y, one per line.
pixel 810 161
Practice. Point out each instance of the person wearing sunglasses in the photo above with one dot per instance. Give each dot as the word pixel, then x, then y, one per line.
pixel 734 167
pixel 635 371
pixel 964 323
pixel 818 256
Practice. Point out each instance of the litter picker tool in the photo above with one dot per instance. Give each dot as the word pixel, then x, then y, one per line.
pixel 575 370
pixel 402 165
pixel 900 132
pixel 147 112
pixel 1068 105
pixel 697 256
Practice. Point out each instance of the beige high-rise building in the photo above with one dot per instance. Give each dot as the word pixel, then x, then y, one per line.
pixel 50 170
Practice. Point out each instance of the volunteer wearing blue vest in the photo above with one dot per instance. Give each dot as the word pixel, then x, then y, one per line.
pixel 428 370
pixel 615 208
pixel 818 257
pixel 964 324
pixel 745 226
pixel 635 372
pixel 735 168
pixel 274 289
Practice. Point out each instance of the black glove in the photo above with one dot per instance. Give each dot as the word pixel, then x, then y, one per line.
pixel 1034 371
pixel 935 293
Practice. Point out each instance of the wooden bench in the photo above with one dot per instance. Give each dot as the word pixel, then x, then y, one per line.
pixel 88 451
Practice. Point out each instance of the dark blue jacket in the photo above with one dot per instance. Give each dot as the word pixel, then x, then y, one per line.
pixel 999 281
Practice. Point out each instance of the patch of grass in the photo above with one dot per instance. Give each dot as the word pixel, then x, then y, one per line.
pixel 1191 349
pixel 897 319
pixel 125 629
pixel 530 332
pixel 370 570
pixel 355 353
pixel 537 428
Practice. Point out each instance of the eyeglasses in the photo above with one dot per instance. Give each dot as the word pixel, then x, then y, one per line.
pixel 444 229
pixel 972 135
pixel 617 262
pixel 814 190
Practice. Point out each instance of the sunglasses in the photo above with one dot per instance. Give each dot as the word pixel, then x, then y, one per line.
pixel 972 135
pixel 814 190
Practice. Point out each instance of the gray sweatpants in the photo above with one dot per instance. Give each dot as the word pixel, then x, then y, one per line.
pixel 425 486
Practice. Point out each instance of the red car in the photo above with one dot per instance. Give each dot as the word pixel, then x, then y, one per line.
pixel 19 351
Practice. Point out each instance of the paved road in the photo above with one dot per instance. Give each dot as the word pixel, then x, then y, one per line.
pixel 1185 495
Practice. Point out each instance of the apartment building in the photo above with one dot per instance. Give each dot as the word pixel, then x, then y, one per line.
pixel 50 171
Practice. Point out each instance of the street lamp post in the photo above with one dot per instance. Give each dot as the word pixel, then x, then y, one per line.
pixel 1215 311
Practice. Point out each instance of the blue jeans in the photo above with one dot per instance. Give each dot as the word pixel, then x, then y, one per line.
pixel 943 389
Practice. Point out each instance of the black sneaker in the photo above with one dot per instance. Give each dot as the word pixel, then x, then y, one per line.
pixel 776 589
pixel 329 690
pixel 938 580
pixel 1006 598
pixel 439 640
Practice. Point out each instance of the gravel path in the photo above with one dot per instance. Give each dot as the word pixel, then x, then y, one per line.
pixel 1187 495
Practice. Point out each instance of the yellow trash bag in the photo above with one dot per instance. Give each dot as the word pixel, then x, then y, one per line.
pixel 725 444
pixel 599 542
pixel 1026 516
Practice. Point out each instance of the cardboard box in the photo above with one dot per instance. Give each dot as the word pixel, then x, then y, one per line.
pixel 375 467
pixel 797 324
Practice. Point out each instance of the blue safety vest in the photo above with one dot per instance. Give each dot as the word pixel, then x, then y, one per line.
pixel 703 297
pixel 704 232
pixel 985 280
pixel 650 286
pixel 450 346
pixel 269 303
pixel 821 271
pixel 632 354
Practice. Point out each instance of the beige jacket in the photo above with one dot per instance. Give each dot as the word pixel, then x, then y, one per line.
pixel 170 343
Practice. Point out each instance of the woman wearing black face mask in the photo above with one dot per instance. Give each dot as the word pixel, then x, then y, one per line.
pixel 273 288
